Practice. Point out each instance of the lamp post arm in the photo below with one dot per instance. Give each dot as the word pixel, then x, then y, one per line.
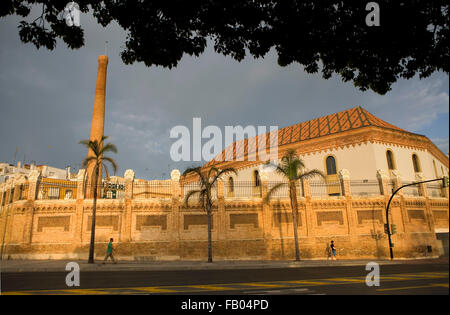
pixel 389 203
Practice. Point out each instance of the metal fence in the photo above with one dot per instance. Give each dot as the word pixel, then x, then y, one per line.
pixel 242 189
pixel 434 190
pixel 196 186
pixel 152 189
pixel 365 188
pixel 325 188
pixel 106 190
pixel 283 191
pixel 412 191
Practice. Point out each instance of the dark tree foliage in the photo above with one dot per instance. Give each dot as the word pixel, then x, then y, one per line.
pixel 322 35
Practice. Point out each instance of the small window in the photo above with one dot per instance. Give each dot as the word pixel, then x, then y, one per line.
pixel 256 179
pixel 390 160
pixel 331 166
pixel 416 164
pixel 69 194
pixel 230 185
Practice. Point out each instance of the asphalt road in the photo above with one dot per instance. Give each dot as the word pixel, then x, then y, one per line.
pixel 394 279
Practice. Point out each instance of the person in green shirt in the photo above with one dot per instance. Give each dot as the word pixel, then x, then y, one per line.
pixel 109 252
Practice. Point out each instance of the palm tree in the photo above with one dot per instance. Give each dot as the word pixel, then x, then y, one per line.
pixel 96 158
pixel 207 181
pixel 292 168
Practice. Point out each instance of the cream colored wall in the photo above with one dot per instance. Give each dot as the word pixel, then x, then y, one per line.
pixel 404 164
pixel 359 160
pixel 363 161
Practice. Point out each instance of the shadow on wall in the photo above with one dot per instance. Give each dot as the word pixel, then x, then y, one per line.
pixel 443 239
pixel 377 235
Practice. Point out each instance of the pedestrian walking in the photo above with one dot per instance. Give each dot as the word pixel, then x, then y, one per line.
pixel 109 252
pixel 333 250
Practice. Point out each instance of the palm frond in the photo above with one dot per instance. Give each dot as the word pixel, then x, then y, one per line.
pixel 198 171
pixel 272 191
pixel 109 147
pixel 189 195
pixel 87 160
pixel 222 172
pixel 311 174
pixel 112 162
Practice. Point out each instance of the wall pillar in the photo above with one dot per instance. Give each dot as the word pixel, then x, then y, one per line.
pixel 383 180
pixel 125 231
pixel 309 217
pixel 444 190
pixel 79 208
pixel 8 216
pixel 221 215
pixel 267 215
pixel 175 176
pixel 33 183
pixel 397 180
pixel 344 177
pixel 423 191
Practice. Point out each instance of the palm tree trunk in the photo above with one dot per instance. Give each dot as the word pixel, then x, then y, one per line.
pixel 293 197
pixel 94 210
pixel 209 209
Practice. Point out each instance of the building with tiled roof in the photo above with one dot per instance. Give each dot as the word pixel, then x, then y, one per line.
pixel 353 139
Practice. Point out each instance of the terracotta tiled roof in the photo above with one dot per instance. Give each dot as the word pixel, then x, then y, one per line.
pixel 350 119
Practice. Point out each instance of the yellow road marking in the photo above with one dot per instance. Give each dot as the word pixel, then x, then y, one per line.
pixel 306 282
pixel 151 289
pixel 416 287
pixel 395 278
pixel 211 287
pixel 16 293
pixel 226 286
pixel 83 291
pixel 444 285
pixel 347 280
pixel 264 285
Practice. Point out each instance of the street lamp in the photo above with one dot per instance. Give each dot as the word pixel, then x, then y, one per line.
pixel 387 227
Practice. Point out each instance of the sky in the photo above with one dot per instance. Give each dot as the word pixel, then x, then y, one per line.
pixel 46 100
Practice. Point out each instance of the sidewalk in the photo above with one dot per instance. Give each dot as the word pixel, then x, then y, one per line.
pixel 60 265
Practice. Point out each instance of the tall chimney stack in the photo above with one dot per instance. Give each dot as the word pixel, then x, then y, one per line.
pixel 98 119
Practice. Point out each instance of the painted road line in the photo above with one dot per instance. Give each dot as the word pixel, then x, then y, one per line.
pixel 211 287
pixel 152 289
pixel 307 282
pixel 384 278
pixel 85 291
pixel 17 293
pixel 445 285
pixel 347 280
pixel 263 285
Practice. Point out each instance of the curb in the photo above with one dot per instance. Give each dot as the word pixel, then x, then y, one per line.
pixel 204 266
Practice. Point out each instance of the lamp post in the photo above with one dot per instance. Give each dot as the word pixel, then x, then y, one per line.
pixel 388 228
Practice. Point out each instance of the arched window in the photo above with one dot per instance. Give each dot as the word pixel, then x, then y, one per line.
pixel 390 160
pixel 416 163
pixel 435 169
pixel 230 185
pixel 256 179
pixel 331 165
